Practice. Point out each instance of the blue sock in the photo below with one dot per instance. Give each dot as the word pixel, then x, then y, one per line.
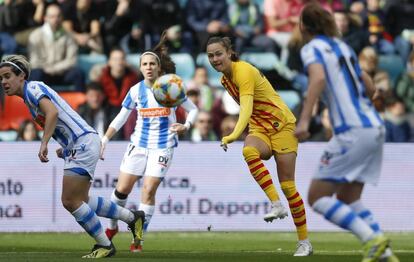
pixel 108 209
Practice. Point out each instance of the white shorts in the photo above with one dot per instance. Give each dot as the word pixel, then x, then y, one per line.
pixel 355 155
pixel 83 157
pixel 141 161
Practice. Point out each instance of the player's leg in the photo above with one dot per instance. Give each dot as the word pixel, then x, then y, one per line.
pixel 158 163
pixel 256 147
pixel 286 173
pixel 120 196
pixel 74 195
pixel 351 195
pixel 342 215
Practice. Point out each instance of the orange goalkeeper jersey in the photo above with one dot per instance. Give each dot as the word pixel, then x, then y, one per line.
pixel 270 113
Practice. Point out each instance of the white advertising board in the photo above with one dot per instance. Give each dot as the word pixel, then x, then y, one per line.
pixel 205 188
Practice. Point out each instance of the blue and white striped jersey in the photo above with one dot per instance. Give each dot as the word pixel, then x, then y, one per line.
pixel 153 121
pixel 69 127
pixel 345 91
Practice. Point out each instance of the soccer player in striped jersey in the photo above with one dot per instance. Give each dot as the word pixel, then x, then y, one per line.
pixel 271 133
pixel 354 154
pixel 80 150
pixel 151 149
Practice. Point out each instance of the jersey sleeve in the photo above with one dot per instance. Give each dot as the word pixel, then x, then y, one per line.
pixel 35 93
pixel 310 55
pixel 245 79
pixel 130 98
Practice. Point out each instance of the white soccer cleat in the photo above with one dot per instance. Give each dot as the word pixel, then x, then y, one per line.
pixel 304 249
pixel 277 211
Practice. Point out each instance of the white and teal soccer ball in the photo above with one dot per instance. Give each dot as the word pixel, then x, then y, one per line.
pixel 169 90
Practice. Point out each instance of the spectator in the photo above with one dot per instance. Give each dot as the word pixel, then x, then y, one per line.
pixel 134 41
pixel 96 111
pixel 223 106
pixel 119 16
pixel 117 77
pixel 400 23
pixel 166 15
pixel 350 27
pixel 368 60
pixel 281 18
pixel 396 124
pixel 203 128
pixel 200 84
pixel 248 27
pixel 404 88
pixel 207 18
pixel 8 20
pixel 82 21
pixel 27 132
pixel 374 24
pixel 53 53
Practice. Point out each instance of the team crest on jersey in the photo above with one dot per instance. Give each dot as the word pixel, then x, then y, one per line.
pixel 154 112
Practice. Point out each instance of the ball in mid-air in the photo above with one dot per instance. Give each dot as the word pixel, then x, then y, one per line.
pixel 169 90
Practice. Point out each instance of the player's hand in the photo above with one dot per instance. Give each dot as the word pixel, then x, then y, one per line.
pixel 104 142
pixel 43 153
pixel 225 141
pixel 178 128
pixel 59 153
pixel 302 131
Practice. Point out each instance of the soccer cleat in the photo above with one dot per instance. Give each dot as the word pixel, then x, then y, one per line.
pixel 304 248
pixel 137 226
pixel 388 256
pixel 277 211
pixel 99 251
pixel 374 248
pixel 136 248
pixel 110 233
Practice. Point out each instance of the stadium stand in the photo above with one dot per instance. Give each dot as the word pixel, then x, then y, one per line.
pixel 13 113
pixel 74 99
pixel 290 97
pixel 393 64
pixel 262 60
pixel 185 66
pixel 86 62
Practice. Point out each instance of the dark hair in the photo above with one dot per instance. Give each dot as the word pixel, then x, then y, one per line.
pixel 161 50
pixel 96 86
pixel 22 127
pixel 317 21
pixel 226 43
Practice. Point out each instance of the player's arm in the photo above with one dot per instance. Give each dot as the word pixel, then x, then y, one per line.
pixel 114 127
pixel 369 85
pixel 315 87
pixel 192 112
pixel 246 110
pixel 51 117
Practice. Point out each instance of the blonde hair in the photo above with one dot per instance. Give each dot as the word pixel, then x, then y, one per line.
pixel 18 63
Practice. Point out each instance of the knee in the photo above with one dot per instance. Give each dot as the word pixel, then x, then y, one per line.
pixel 148 192
pixel 250 153
pixel 70 203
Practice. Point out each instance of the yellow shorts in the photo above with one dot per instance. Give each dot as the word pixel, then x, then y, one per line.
pixel 281 142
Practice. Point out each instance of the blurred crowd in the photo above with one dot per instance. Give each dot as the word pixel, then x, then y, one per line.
pixel 53 34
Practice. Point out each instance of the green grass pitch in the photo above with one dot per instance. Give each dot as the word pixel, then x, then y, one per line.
pixel 196 246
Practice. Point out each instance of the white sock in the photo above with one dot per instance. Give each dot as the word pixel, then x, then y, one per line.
pixel 149 212
pixel 113 223
pixel 343 216
pixel 366 215
pixel 88 219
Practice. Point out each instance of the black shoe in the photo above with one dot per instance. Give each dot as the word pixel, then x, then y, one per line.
pixel 137 226
pixel 99 251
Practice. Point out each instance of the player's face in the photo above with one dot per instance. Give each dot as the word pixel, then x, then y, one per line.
pixel 150 67
pixel 218 57
pixel 10 82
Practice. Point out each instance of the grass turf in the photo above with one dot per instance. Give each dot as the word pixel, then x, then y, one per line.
pixel 195 246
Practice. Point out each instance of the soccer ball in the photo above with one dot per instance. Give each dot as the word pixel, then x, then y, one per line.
pixel 169 90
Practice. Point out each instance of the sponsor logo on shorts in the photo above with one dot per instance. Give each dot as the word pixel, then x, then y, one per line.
pixel 163 160
pixel 154 112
